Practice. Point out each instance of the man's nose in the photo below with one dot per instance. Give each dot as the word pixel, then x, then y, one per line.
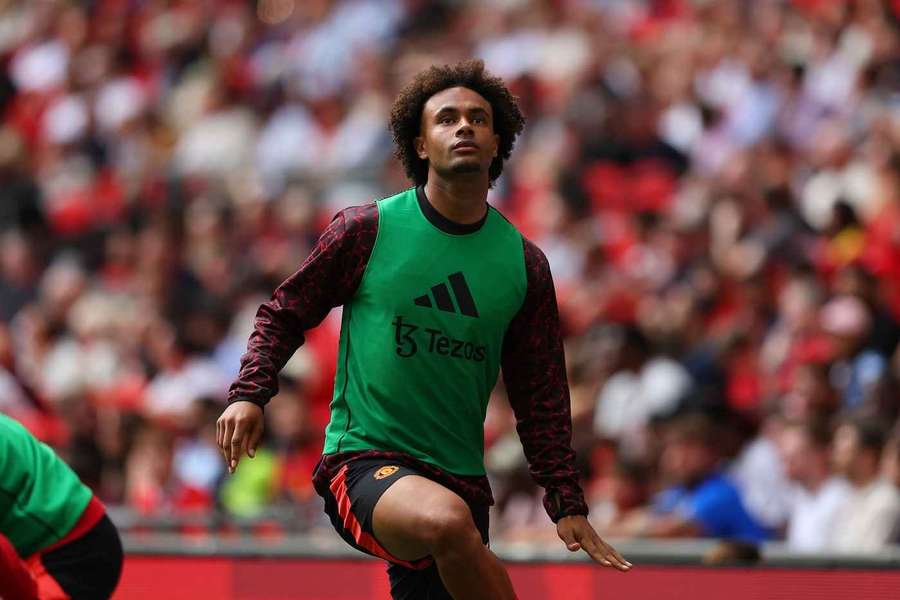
pixel 465 127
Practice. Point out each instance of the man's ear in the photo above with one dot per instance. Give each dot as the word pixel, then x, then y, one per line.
pixel 419 145
pixel 496 144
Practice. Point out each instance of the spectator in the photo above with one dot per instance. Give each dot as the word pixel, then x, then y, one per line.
pixel 856 369
pixel 295 442
pixel 700 501
pixel 811 394
pixel 868 521
pixel 184 377
pixel 148 484
pixel 643 385
pixel 759 474
pixel 615 499
pixel 196 460
pixel 855 280
pixel 819 497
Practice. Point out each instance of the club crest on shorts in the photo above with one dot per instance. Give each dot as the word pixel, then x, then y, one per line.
pixel 386 472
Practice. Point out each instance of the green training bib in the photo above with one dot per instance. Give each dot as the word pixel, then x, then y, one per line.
pixel 421 340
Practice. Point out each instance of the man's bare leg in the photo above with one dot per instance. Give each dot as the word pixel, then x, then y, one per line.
pixel 417 517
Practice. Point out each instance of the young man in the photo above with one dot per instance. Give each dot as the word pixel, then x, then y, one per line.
pixel 439 292
pixel 819 496
pixel 56 542
pixel 701 501
pixel 870 518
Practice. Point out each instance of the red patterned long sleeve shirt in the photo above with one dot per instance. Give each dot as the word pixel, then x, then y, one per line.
pixel 532 361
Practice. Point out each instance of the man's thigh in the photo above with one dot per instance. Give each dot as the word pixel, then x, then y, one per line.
pixel 426 584
pixel 407 513
pixel 364 485
pixel 351 498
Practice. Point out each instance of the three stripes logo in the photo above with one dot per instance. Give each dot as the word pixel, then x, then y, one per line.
pixel 456 298
pixel 443 300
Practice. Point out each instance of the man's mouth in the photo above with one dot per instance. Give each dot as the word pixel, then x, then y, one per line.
pixel 465 146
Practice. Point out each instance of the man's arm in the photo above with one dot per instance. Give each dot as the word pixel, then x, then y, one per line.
pixel 329 277
pixel 645 523
pixel 534 370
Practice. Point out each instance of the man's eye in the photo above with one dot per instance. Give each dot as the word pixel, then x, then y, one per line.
pixel 446 120
pixel 478 120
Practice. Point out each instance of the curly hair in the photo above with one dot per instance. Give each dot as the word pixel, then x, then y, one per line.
pixel 406 114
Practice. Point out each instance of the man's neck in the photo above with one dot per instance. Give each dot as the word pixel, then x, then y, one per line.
pixel 462 200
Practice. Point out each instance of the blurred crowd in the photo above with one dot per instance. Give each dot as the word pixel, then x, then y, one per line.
pixel 716 186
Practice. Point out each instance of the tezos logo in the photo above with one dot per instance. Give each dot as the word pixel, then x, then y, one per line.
pixel 433 341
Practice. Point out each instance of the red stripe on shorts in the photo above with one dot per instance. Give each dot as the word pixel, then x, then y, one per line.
pixel 365 540
pixel 16 580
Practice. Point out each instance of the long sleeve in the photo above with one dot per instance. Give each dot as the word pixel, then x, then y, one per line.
pixel 329 277
pixel 534 371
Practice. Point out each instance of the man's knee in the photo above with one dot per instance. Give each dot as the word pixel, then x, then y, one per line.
pixel 450 527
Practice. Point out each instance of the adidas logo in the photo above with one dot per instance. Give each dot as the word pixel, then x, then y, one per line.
pixel 442 298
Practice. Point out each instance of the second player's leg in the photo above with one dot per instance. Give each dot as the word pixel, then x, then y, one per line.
pixel 89 567
pixel 417 517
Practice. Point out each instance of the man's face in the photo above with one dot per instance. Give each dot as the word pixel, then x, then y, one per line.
pixel 457 133
pixel 797 453
pixel 845 345
pixel 845 449
pixel 687 462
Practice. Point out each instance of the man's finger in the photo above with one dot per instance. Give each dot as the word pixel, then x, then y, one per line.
pixel 245 445
pixel 235 446
pixel 609 554
pixel 219 432
pixel 255 437
pixel 614 554
pixel 227 430
pixel 615 562
pixel 595 552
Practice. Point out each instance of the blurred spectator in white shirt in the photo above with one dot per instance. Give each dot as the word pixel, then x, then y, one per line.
pixel 643 386
pixel 759 473
pixel 818 496
pixel 183 377
pixel 868 521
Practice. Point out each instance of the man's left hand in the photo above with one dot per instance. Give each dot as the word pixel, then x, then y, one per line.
pixel 578 534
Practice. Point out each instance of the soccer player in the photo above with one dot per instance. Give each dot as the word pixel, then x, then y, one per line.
pixel 439 292
pixel 56 542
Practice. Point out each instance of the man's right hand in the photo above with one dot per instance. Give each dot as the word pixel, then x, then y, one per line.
pixel 238 431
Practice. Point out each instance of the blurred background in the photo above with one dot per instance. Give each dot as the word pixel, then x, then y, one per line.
pixel 716 185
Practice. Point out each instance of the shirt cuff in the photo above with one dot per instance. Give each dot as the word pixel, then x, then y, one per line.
pixel 565 502
pixel 255 401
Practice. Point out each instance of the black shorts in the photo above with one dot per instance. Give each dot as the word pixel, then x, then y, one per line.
pixel 350 500
pixel 88 567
